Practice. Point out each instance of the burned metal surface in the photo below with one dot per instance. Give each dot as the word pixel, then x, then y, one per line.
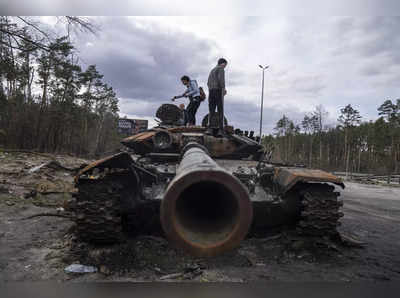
pixel 102 204
pixel 169 113
pixel 141 143
pixel 162 139
pixel 288 177
pixel 139 137
pixel 188 137
pixel 220 147
pixel 320 210
pixel 189 129
pixel 170 137
pixel 173 139
pixel 207 188
pixel 121 160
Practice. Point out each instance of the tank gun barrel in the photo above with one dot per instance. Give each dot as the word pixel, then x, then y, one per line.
pixel 205 209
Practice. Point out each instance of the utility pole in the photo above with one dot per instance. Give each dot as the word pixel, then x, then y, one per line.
pixel 262 99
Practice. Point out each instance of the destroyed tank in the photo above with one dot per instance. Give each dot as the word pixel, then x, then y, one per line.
pixel 202 205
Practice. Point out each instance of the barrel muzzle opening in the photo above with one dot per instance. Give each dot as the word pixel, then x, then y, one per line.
pixel 206 213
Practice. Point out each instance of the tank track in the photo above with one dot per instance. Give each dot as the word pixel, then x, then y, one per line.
pixel 320 210
pixel 98 210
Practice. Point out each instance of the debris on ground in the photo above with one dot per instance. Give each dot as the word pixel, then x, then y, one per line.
pixel 55 165
pixel 58 214
pixel 191 273
pixel 30 194
pixel 55 186
pixel 78 268
pixel 351 241
pixel 187 274
pixel 9 203
pixel 36 168
pixel 171 276
pixel 3 189
pixel 104 270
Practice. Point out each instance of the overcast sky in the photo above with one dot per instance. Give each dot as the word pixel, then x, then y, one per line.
pixel 333 61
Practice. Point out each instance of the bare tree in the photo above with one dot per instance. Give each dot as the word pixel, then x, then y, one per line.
pixel 349 118
pixel 17 28
pixel 319 115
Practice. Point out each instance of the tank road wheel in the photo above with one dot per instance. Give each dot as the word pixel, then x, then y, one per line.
pixel 320 210
pixel 98 210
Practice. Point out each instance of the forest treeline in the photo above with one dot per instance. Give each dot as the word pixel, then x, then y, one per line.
pixel 48 102
pixel 353 145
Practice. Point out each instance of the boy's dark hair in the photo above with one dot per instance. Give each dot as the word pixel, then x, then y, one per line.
pixel 185 78
pixel 221 61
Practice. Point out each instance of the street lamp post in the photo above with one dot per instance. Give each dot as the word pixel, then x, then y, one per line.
pixel 262 98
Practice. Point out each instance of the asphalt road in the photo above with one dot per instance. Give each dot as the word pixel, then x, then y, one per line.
pixel 372 214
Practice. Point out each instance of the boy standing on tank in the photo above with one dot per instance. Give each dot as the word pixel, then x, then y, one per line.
pixel 193 93
pixel 217 91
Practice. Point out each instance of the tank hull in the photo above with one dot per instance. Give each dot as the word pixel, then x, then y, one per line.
pixel 304 199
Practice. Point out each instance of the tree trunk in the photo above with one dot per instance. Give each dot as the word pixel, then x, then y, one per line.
pixel 320 150
pixel 347 162
pixel 96 147
pixel 345 150
pixel 328 155
pixel 393 153
pixel 396 160
pixel 44 94
pixel 310 157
